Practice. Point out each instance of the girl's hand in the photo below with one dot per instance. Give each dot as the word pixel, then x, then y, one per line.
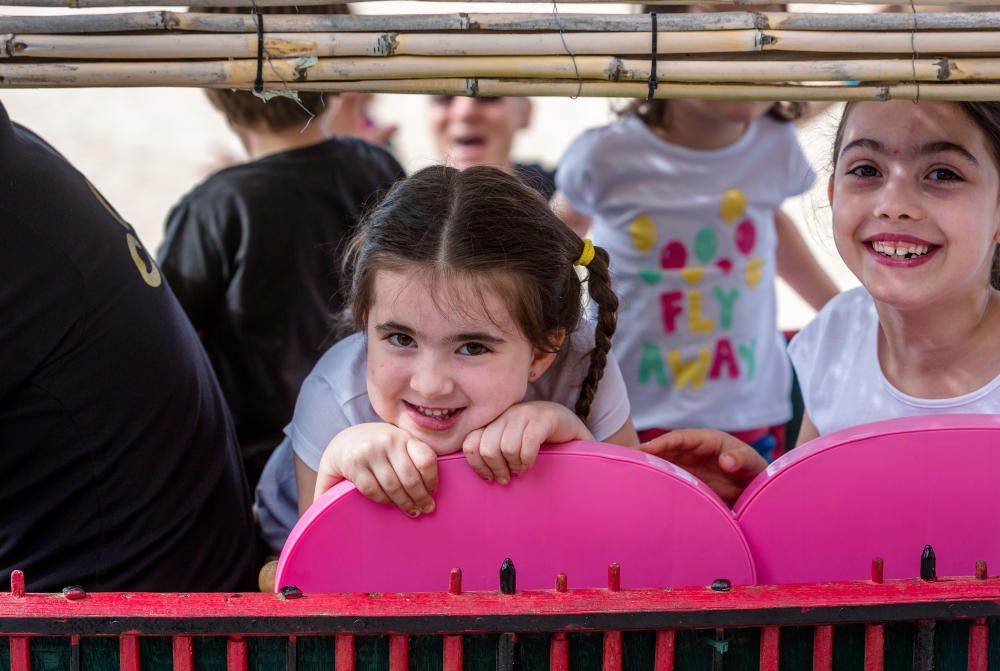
pixel 509 444
pixel 385 463
pixel 722 462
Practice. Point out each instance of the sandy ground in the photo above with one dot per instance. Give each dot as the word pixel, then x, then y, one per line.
pixel 144 148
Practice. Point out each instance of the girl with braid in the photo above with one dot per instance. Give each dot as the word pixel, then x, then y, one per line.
pixel 467 292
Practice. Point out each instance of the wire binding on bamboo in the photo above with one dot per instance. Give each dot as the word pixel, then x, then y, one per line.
pixel 743 55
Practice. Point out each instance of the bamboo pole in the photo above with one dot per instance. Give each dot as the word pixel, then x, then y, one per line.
pixel 82 4
pixel 165 20
pixel 298 73
pixel 173 46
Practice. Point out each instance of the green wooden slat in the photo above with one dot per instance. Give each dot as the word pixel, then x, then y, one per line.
pixel 533 651
pixel 426 653
pixel 265 653
pixel 315 653
pixel 156 653
pixel 479 651
pixel 849 647
pixel 586 651
pixel 371 653
pixel 795 647
pixel 638 650
pixel 209 653
pixel 97 653
pixel 993 648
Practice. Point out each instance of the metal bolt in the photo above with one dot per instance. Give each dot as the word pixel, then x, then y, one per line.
pixel 928 564
pixel 74 592
pixel 721 585
pixel 291 592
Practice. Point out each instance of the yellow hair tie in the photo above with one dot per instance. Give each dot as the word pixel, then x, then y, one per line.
pixel 587 255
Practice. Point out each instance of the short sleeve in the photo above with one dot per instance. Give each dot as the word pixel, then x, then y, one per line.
pixel 799 176
pixel 318 418
pixel 610 409
pixel 574 176
pixel 194 260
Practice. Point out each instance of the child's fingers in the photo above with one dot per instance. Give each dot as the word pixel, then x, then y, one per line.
pixel 411 475
pixel 367 484
pixel 470 448
pixel 490 451
pixel 531 442
pixel 390 483
pixel 740 461
pixel 511 442
pixel 425 459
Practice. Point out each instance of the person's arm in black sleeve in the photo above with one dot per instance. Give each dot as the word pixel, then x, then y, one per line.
pixel 194 260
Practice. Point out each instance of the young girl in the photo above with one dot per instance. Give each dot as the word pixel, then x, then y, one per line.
pixel 466 293
pixel 685 196
pixel 915 195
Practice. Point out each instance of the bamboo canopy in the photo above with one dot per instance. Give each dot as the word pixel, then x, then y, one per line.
pixel 952 55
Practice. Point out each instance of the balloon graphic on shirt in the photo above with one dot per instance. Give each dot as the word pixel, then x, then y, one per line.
pixel 692 275
pixel 725 265
pixel 745 236
pixel 650 276
pixel 673 256
pixel 643 232
pixel 706 245
pixel 732 204
pixel 753 272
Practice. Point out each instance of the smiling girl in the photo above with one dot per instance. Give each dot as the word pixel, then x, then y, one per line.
pixel 915 194
pixel 466 292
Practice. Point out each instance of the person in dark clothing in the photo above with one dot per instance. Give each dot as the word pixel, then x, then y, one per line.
pixel 253 255
pixel 120 463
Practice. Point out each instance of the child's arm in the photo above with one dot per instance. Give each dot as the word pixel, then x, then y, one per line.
pixel 576 220
pixel 722 462
pixel 509 444
pixel 797 265
pixel 385 463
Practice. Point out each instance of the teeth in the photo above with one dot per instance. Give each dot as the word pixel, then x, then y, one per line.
pixel 435 412
pixel 899 250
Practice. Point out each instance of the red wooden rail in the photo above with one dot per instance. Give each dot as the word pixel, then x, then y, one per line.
pixel 453 613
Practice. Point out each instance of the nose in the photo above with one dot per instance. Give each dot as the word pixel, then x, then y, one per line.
pixel 431 378
pixel 463 107
pixel 898 199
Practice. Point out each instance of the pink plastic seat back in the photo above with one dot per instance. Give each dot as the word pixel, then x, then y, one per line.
pixel 823 511
pixel 582 507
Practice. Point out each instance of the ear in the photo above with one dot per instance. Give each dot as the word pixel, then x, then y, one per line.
pixel 829 191
pixel 525 110
pixel 541 360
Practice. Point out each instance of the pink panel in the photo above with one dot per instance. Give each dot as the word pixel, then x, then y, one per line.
pixel 825 510
pixel 582 507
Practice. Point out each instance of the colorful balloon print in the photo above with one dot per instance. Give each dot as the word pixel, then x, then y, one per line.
pixel 692 275
pixel 745 236
pixel 643 232
pixel 706 245
pixel 732 204
pixel 725 265
pixel 673 256
pixel 650 276
pixel 754 269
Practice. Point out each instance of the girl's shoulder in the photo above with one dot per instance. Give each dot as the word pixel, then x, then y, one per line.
pixel 341 371
pixel 848 317
pixel 621 133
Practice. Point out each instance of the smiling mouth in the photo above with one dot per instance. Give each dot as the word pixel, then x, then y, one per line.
pixel 434 413
pixel 900 250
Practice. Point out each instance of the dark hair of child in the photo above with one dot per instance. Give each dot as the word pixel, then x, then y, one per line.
pixel 243 108
pixel 485 226
pixel 986 116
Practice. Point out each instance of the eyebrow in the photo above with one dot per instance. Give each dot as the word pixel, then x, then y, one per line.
pixel 396 327
pixel 924 150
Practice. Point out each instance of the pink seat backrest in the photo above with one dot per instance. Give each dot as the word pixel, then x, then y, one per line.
pixel 582 507
pixel 823 511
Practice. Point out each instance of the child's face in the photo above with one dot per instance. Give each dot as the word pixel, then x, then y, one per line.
pixel 438 366
pixel 915 202
pixel 477 131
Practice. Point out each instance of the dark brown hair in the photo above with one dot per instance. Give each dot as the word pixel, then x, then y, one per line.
pixel 486 225
pixel 986 116
pixel 243 108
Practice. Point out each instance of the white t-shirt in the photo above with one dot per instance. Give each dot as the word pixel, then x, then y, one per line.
pixel 692 243
pixel 836 359
pixel 335 396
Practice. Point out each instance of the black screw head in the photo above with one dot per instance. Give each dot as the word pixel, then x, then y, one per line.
pixel 291 592
pixel 74 592
pixel 721 585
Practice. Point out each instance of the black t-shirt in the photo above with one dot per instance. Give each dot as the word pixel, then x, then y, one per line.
pixel 253 255
pixel 538 178
pixel 120 468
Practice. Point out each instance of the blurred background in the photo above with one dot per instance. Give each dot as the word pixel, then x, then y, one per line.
pixel 144 148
